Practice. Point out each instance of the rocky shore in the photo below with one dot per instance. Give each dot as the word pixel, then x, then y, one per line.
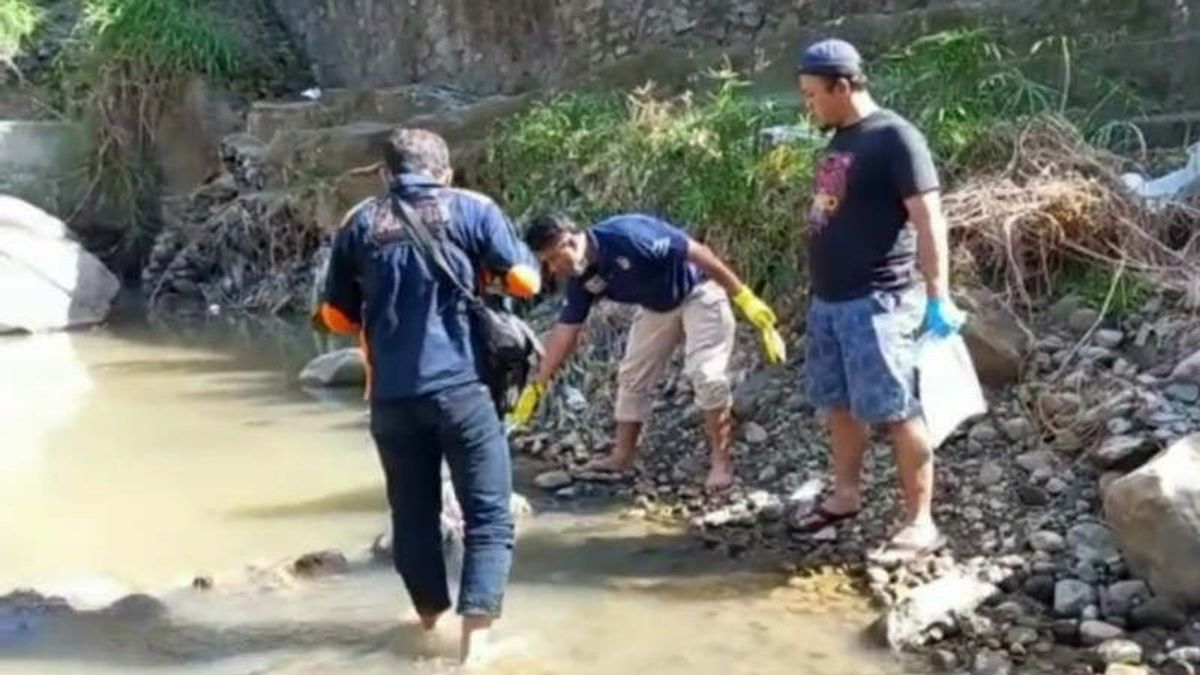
pixel 1072 507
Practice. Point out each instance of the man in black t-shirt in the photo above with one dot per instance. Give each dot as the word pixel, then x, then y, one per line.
pixel 875 232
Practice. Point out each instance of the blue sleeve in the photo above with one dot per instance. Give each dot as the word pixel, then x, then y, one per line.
pixel 495 241
pixel 342 288
pixel 578 305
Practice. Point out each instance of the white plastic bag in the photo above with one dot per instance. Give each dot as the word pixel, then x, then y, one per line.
pixel 948 386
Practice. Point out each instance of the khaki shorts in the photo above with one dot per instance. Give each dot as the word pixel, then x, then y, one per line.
pixel 705 324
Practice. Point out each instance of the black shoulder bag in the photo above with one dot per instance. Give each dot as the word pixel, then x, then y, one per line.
pixel 509 348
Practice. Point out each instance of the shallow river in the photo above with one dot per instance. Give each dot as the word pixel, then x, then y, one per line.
pixel 134 459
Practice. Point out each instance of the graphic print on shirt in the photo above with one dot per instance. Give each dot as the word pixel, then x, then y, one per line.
pixel 829 188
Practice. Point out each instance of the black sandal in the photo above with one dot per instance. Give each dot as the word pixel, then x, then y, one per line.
pixel 818 519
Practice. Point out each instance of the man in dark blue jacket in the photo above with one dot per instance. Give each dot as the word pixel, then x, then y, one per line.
pixel 427 400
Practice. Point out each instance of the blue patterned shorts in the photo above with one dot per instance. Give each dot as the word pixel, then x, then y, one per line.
pixel 861 355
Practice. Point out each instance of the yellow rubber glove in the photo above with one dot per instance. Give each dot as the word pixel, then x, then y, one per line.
pixel 756 311
pixel 773 345
pixel 527 404
pixel 761 317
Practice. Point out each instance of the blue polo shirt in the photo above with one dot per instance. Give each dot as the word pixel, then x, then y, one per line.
pixel 416 327
pixel 639 260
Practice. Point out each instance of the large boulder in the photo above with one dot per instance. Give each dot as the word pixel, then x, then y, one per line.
pixel 1155 514
pixel 49 281
pixel 995 339
pixel 341 368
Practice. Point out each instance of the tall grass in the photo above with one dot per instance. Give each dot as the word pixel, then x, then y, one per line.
pixel 126 63
pixel 18 20
pixel 957 85
pixel 694 159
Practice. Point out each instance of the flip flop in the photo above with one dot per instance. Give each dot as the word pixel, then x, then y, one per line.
pixel 818 519
pixel 899 553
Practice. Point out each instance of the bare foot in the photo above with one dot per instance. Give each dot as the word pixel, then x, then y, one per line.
pixel 476 635
pixel 429 621
pixel 609 464
pixel 720 476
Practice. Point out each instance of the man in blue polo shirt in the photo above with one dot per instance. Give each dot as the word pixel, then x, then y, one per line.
pixel 683 292
pixel 427 399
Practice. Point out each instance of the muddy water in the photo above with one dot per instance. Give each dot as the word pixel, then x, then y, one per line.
pixel 135 459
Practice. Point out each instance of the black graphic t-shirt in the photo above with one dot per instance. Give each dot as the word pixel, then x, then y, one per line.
pixel 859 238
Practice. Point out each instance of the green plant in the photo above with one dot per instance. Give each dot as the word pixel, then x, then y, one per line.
pixel 18 20
pixel 127 61
pixel 1092 282
pixel 695 160
pixel 957 85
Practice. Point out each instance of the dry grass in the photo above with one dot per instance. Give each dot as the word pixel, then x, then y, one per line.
pixel 1055 200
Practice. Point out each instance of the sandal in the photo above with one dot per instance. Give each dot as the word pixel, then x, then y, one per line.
pixel 899 552
pixel 818 519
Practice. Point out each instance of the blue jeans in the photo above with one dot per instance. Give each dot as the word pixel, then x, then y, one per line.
pixel 412 436
pixel 861 355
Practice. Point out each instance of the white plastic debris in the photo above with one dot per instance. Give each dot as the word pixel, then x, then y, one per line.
pixel 949 388
pixel 1171 187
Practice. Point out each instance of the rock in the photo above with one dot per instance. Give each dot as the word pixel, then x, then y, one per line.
pixel 1118 426
pixel 935 605
pixel 1066 631
pixel 1177 668
pixel 1158 613
pixel 266 118
pixel 1108 338
pixel 754 433
pixel 1155 514
pixel 553 480
pixel 944 660
pixel 748 395
pixel 320 564
pixel 1032 461
pixel 50 282
pixel 1185 655
pixel 1021 635
pixel 996 342
pixel 1047 542
pixel 1188 369
pixel 1093 543
pixel 1122 596
pixel 1107 479
pixel 828 534
pixel 991 663
pixel 1092 633
pixel 1031 495
pixel 1071 596
pixel 1018 429
pixel 1125 669
pixel 1081 320
pixel 990 474
pixel 1040 587
pixel 137 607
pixel 341 368
pixel 1057 486
pixel 1123 453
pixel 1119 651
pixel 1184 392
pixel 329 150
